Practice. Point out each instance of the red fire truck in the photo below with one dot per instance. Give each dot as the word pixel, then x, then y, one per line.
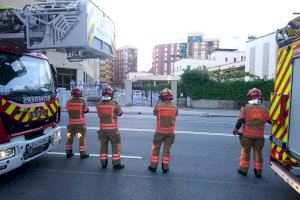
pixel 29 106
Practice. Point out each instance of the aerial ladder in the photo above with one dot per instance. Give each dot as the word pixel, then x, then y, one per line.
pixel 78 27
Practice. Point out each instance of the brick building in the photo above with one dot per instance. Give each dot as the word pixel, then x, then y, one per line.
pixel 126 61
pixel 164 56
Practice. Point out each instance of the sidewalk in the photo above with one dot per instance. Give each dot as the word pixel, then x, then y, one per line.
pixel 182 111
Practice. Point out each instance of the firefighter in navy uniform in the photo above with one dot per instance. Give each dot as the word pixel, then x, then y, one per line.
pixel 76 108
pixel 108 111
pixel 166 113
pixel 253 118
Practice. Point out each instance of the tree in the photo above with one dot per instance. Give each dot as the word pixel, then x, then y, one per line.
pixel 195 76
pixel 233 76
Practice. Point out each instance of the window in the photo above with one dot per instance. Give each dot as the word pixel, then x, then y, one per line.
pixel 65 76
pixel 252 60
pixel 266 60
pixel 226 59
pixel 234 60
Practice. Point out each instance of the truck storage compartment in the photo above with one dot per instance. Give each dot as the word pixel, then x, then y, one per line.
pixel 294 123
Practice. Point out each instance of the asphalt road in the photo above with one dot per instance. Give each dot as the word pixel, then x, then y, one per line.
pixel 203 165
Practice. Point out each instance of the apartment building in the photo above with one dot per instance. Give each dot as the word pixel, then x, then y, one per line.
pixel 200 48
pixel 106 71
pixel 164 56
pixel 126 62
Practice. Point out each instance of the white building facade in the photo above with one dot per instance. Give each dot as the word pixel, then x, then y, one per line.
pixel 261 56
pixel 217 59
pixel 228 55
pixel 85 71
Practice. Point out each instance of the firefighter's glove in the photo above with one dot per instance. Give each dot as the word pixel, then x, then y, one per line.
pixel 235 131
pixel 87 110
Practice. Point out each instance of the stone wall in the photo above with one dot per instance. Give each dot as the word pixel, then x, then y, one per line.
pixel 220 104
pixel 212 104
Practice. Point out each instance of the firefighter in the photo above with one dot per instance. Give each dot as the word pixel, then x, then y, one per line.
pixel 108 110
pixel 76 108
pixel 166 113
pixel 253 118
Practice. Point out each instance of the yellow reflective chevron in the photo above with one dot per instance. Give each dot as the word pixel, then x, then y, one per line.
pixel 3 102
pixel 21 111
pixel 10 109
pixel 26 118
pixel 53 107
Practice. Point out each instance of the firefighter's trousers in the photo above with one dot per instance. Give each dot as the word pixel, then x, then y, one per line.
pixel 257 145
pixel 158 140
pixel 81 134
pixel 115 140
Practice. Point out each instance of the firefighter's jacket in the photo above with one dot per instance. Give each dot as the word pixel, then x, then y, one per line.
pixel 254 118
pixel 108 112
pixel 76 108
pixel 166 114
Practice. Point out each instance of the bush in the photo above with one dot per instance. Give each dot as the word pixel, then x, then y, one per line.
pixel 200 86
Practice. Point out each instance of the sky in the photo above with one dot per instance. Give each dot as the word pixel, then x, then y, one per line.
pixel 146 23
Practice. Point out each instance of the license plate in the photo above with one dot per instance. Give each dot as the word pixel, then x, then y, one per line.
pixel 39 143
pixel 37 113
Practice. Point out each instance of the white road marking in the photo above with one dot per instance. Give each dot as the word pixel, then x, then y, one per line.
pixel 206 122
pixel 176 132
pixel 93 155
pixel 168 178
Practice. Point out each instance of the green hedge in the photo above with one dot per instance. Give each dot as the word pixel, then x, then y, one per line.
pixel 235 90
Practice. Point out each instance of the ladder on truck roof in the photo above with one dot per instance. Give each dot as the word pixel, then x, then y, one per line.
pixel 289 33
pixel 76 26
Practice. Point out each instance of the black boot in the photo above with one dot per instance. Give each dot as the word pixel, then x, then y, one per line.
pixel 119 166
pixel 242 173
pixel 84 156
pixel 257 175
pixel 153 170
pixel 165 170
pixel 70 154
pixel 104 164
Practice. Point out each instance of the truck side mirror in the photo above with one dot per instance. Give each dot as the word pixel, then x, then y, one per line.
pixel 54 72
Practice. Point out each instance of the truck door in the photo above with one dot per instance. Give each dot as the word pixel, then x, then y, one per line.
pixel 294 124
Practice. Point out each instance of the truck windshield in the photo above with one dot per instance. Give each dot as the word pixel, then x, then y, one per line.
pixel 24 75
